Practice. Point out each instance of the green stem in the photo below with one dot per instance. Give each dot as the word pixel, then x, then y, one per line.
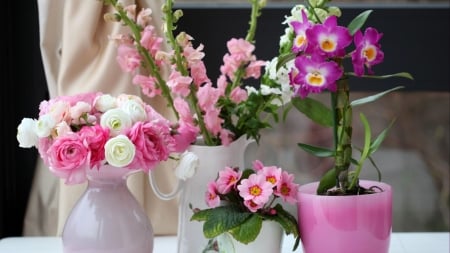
pixel 343 131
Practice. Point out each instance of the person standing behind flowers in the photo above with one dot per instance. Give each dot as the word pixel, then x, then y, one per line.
pixel 78 58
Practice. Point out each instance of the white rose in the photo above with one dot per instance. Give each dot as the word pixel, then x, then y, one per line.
pixel 135 110
pixel 44 125
pixel 119 151
pixel 116 120
pixel 25 133
pixel 105 102
pixel 187 165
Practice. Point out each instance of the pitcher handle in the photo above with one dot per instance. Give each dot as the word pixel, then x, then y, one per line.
pixel 186 168
pixel 159 193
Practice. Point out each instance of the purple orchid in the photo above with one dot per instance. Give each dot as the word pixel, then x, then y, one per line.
pixel 300 41
pixel 315 75
pixel 328 39
pixel 368 52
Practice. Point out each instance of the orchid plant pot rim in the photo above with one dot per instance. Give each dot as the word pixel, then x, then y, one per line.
pixel 311 189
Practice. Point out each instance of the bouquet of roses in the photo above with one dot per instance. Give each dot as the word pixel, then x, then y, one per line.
pixel 240 201
pixel 76 133
pixel 220 111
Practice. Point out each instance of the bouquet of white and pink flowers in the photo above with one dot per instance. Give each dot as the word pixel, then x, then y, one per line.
pixel 76 133
pixel 219 111
pixel 241 199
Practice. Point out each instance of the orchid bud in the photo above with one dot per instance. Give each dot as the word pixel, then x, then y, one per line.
pixel 335 11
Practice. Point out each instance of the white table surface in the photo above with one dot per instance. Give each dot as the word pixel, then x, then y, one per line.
pixel 400 243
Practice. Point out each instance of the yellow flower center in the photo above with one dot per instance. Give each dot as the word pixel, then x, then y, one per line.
pixel 285 190
pixel 255 190
pixel 300 40
pixel 315 79
pixel 271 179
pixel 328 45
pixel 370 53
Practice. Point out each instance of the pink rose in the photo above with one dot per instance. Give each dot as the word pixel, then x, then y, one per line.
pixel 68 158
pixel 95 137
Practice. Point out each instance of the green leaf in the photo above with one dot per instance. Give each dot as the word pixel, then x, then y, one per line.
pixel 287 221
pixel 249 230
pixel 314 110
pixel 220 219
pixel 284 58
pixel 328 181
pixel 400 74
pixel 373 97
pixel 376 168
pixel 317 151
pixel 364 153
pixel 380 138
pixel 358 22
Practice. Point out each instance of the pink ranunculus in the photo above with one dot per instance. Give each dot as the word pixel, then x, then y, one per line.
pixel 227 179
pixel 128 58
pixel 211 197
pixel 238 95
pixel 286 188
pixel 153 144
pixel 95 137
pixel 186 135
pixel 256 189
pixel 68 158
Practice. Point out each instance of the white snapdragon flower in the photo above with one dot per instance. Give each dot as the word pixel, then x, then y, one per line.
pixel 119 151
pixel 135 109
pixel 45 125
pixel 105 102
pixel 116 120
pixel 250 90
pixel 267 90
pixel 187 165
pixel 26 135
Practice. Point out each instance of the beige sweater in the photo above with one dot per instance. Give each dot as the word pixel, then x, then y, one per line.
pixel 78 57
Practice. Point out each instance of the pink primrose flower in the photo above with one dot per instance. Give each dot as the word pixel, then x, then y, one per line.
pixel 148 85
pixel 128 58
pixel 252 206
pixel 286 188
pixel 368 51
pixel 211 197
pixel 68 158
pixel 227 180
pixel 257 165
pixel 256 189
pixel 272 174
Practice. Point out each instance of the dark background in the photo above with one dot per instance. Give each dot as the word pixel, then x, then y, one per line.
pixel 416 39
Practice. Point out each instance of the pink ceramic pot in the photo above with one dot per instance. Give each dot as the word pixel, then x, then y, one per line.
pixel 350 224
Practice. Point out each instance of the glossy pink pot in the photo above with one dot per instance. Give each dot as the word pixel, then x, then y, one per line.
pixel 345 224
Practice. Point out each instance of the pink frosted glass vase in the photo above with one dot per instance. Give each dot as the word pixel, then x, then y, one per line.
pixel 345 224
pixel 107 218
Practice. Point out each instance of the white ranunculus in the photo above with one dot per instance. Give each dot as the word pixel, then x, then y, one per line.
pixel 26 134
pixel 187 165
pixel 45 125
pixel 77 111
pixel 135 110
pixel 119 151
pixel 105 102
pixel 116 120
pixel 62 128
